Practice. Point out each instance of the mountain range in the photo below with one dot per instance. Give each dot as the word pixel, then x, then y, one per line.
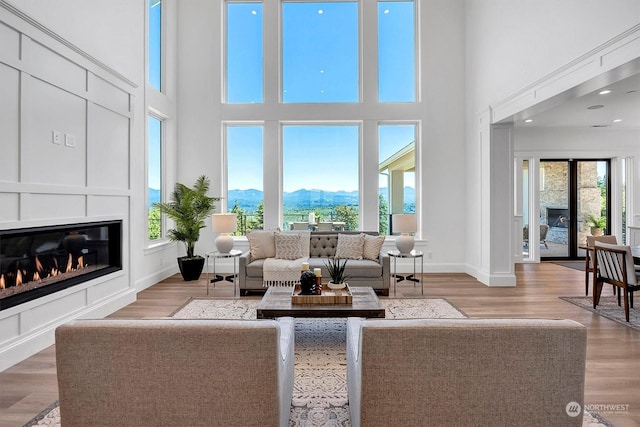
pixel 296 200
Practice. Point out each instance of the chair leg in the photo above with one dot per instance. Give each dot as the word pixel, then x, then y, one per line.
pixel 597 291
pixel 626 304
pixel 586 279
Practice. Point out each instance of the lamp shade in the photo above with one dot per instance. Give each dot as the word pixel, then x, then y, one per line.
pixel 404 224
pixel 224 223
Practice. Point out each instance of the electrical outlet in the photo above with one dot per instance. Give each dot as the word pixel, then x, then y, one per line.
pixel 56 137
pixel 69 140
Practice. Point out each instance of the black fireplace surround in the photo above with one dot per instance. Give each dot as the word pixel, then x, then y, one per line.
pixel 39 261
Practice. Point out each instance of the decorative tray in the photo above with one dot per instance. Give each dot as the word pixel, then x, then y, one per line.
pixel 328 296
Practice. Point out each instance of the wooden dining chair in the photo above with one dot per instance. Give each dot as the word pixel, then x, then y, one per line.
pixel 589 271
pixel 614 264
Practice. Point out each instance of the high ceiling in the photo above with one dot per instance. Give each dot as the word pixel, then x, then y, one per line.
pixel 590 107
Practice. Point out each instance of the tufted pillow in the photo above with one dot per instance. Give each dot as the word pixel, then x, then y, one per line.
pixel 350 246
pixel 288 245
pixel 372 246
pixel 262 244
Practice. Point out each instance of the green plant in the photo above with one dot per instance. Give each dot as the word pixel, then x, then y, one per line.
pixel 188 207
pixel 336 270
pixel 600 222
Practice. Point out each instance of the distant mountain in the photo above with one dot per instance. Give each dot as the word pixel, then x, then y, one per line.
pixel 409 194
pixel 296 200
pixel 153 196
pixel 307 199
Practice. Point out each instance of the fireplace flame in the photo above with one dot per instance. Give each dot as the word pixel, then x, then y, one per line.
pixel 19 278
pixel 36 276
pixel 2 282
pixel 69 264
pixel 80 262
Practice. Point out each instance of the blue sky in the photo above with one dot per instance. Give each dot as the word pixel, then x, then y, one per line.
pixel 320 64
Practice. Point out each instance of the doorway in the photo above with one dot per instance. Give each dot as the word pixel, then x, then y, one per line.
pixel 574 200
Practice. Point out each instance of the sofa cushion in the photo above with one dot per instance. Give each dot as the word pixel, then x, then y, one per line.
pixel 288 246
pixel 254 268
pixel 262 244
pixel 372 246
pixel 356 268
pixel 350 246
pixel 323 245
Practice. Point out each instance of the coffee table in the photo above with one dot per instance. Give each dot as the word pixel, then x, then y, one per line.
pixel 277 303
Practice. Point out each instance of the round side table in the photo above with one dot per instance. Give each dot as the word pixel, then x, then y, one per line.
pixel 414 254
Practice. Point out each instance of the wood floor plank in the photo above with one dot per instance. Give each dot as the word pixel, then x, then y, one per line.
pixel 613 350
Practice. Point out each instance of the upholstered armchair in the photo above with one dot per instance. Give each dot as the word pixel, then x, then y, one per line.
pixel 175 372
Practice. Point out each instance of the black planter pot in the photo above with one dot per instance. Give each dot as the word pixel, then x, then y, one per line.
pixel 191 268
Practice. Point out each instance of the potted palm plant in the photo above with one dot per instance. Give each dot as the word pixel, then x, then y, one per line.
pixel 597 224
pixel 337 273
pixel 188 207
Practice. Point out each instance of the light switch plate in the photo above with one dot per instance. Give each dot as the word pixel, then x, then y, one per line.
pixel 69 140
pixel 56 137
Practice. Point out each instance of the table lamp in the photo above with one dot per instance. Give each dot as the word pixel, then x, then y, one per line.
pixel 224 223
pixel 404 224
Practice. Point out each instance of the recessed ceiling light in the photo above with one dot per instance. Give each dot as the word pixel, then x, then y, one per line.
pixel 528 120
pixel 595 107
pixel 604 92
pixel 617 120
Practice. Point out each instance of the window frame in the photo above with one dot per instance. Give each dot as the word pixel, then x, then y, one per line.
pixel 369 112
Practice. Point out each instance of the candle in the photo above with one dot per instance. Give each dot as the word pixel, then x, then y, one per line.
pixel 305 266
pixel 317 272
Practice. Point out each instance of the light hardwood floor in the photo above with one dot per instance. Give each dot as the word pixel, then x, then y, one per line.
pixel 613 352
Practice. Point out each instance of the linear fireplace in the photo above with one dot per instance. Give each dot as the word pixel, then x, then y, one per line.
pixel 42 260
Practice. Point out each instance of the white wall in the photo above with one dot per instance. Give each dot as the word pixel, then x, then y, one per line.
pixel 510 46
pixel 49 85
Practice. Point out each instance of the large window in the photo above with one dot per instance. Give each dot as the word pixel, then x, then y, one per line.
pixel 154 177
pixel 320 52
pixel 155 44
pixel 244 171
pixel 320 176
pixel 396 51
pixel 244 73
pixel 325 144
pixel 397 166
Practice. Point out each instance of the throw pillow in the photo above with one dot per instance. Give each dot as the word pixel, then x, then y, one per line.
pixel 262 244
pixel 288 246
pixel 350 246
pixel 372 246
pixel 305 241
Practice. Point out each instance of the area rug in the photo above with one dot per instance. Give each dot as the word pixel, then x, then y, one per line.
pixel 576 265
pixel 320 385
pixel 608 307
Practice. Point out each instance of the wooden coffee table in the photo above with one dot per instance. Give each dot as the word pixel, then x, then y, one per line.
pixel 277 303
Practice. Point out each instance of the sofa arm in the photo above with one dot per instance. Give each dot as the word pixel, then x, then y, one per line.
pixel 243 261
pixel 286 365
pixel 354 368
pixel 385 261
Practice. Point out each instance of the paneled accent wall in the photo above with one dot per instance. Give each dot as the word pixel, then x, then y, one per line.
pixel 65 157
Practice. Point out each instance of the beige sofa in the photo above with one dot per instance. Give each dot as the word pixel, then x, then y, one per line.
pixel 322 245
pixel 175 372
pixel 442 372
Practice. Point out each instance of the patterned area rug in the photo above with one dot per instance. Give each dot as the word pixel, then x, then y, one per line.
pixel 608 307
pixel 320 388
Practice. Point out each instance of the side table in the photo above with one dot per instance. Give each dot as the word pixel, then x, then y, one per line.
pixel 414 254
pixel 234 254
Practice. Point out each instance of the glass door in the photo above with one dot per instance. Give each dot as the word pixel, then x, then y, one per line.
pixel 574 203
